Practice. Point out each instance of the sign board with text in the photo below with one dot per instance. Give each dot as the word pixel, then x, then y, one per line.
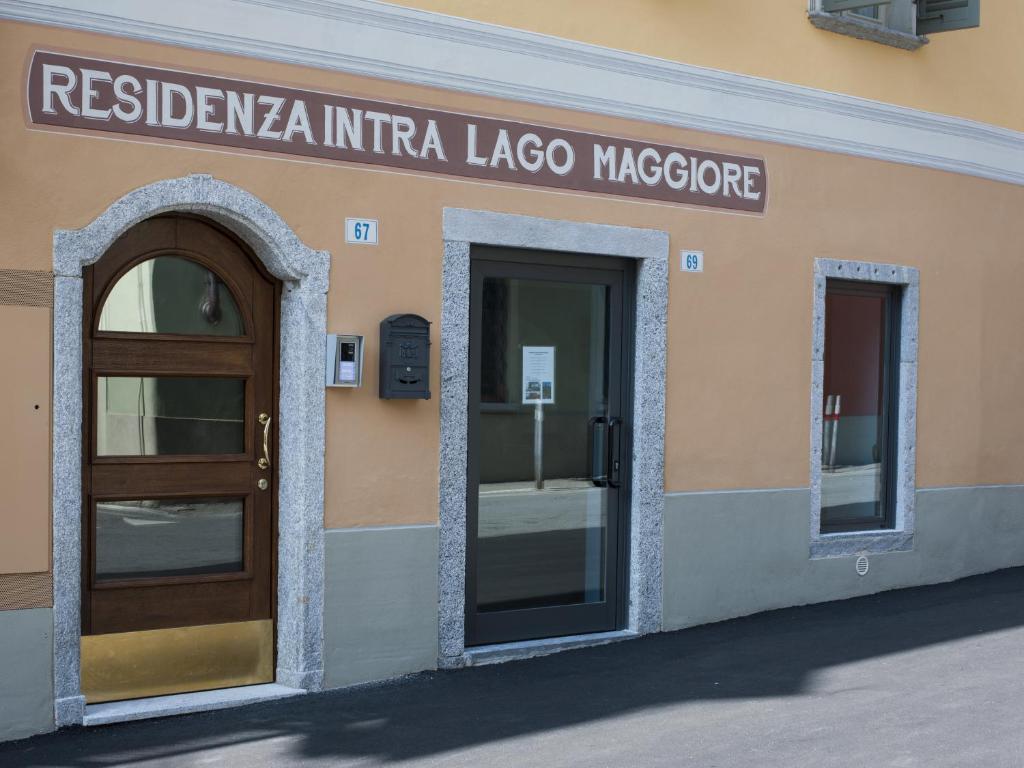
pixel 73 92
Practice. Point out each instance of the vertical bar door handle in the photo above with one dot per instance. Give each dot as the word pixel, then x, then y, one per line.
pixel 264 463
pixel 614 452
pixel 598 450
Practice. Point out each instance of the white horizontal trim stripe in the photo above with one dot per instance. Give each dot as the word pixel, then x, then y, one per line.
pixel 930 489
pixel 731 491
pixel 380 528
pixel 992 487
pixel 374 39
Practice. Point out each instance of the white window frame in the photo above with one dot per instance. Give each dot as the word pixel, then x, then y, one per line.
pixel 882 20
pixel 900 537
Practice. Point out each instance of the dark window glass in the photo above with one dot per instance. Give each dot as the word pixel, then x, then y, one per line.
pixel 168 537
pixel 169 415
pixel 858 406
pixel 541 542
pixel 869 12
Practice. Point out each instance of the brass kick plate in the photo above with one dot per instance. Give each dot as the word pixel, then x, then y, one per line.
pixel 156 662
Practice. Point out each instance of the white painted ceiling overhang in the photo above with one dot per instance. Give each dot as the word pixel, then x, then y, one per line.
pixel 375 39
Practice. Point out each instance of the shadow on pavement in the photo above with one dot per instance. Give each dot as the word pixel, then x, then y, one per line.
pixel 771 654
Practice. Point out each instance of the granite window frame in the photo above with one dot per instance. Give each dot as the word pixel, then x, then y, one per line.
pixel 900 537
pixel 895 26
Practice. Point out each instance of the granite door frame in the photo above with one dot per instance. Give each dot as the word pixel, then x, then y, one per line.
pixel 463 228
pixel 304 274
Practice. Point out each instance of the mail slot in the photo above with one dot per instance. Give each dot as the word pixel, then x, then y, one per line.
pixel 405 358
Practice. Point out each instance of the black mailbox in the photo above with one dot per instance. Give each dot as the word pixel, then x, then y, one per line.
pixel 404 358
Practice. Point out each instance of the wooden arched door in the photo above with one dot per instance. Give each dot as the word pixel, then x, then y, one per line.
pixel 179 465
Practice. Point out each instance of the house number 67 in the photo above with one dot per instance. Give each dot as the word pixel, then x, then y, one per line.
pixel 361 231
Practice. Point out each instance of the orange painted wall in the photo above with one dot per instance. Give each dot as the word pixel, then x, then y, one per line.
pixel 973 73
pixel 25 448
pixel 738 334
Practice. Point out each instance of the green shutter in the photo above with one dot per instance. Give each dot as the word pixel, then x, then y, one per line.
pixel 945 15
pixel 831 6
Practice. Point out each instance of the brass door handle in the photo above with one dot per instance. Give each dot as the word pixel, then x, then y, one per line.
pixel 264 463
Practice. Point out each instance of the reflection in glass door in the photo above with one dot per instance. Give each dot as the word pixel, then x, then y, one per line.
pixel 548 446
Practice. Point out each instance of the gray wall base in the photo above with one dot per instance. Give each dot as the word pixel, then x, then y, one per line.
pixel 380 617
pixel 26 673
pixel 730 554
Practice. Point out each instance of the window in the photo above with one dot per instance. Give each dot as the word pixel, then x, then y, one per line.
pixel 858 405
pixel 170 294
pixel 875 13
pixel 900 23
pixel 169 415
pixel 946 15
pixel 863 401
pixel 891 22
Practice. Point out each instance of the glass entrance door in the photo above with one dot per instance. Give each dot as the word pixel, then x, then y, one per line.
pixel 548 445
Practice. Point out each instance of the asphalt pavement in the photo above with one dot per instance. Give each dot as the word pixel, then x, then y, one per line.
pixel 932 676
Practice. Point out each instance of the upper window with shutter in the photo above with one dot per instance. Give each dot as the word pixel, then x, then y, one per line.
pixel 946 15
pixel 900 23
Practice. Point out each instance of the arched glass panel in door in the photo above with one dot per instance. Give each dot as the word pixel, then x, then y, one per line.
pixel 171 294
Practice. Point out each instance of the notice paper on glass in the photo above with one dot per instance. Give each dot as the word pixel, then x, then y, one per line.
pixel 538 375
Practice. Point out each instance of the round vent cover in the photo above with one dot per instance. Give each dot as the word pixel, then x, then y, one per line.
pixel 862 566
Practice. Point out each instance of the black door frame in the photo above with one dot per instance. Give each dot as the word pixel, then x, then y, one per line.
pixel 584 618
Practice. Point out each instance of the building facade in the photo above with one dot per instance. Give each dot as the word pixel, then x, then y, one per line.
pixel 348 339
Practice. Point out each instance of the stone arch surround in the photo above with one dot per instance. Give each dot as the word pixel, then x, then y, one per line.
pixel 304 273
